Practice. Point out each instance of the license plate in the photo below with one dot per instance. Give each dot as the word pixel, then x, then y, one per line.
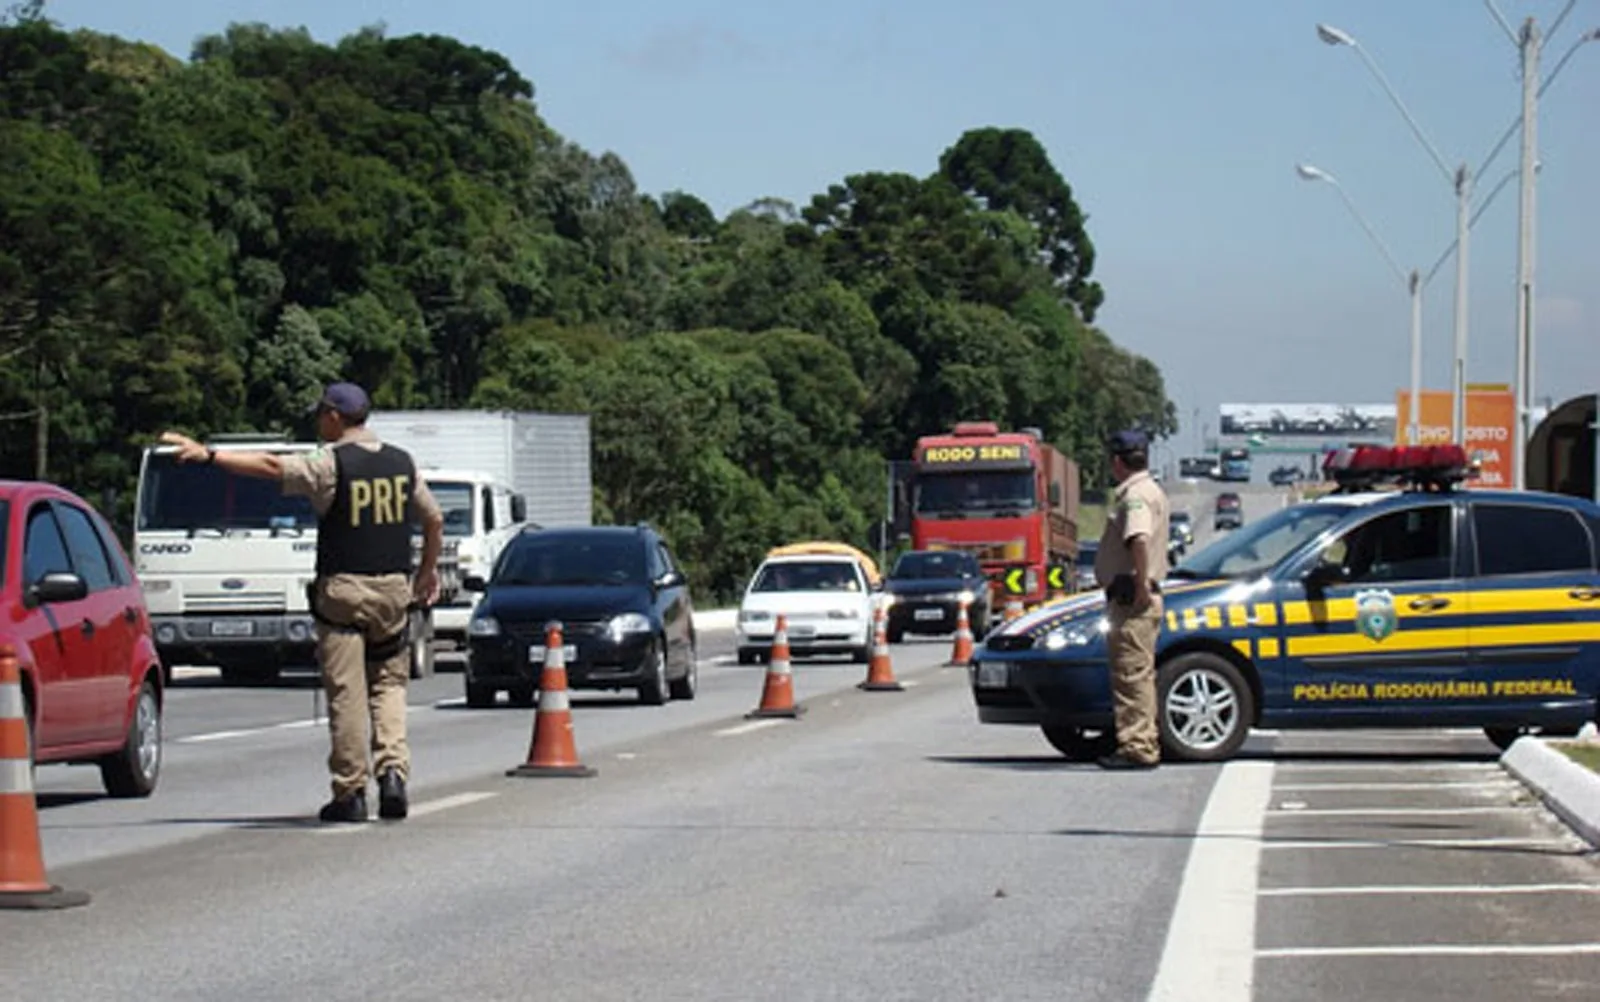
pixel 993 674
pixel 569 653
pixel 925 614
pixel 803 630
pixel 233 628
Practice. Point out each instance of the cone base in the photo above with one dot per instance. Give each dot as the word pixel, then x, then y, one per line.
pixel 531 771
pixel 789 713
pixel 958 664
pixel 50 899
pixel 890 686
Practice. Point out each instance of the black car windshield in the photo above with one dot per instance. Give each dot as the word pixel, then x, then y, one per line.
pixel 932 565
pixel 571 561
pixel 1259 547
pixel 807 575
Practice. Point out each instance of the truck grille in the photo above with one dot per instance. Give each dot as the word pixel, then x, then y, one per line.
pixel 235 601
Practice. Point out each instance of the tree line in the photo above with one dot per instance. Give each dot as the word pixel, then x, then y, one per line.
pixel 201 243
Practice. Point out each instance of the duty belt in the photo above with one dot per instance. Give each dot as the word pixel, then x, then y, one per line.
pixel 381 650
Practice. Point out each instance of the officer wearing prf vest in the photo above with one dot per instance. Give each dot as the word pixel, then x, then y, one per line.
pixel 367 497
pixel 1130 565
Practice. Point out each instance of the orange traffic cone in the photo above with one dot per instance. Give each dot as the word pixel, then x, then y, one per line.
pixel 22 877
pixel 777 694
pixel 553 751
pixel 961 656
pixel 880 672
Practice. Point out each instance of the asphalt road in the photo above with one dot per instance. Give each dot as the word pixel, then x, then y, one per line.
pixel 883 846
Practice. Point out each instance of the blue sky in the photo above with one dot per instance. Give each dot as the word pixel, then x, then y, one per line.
pixel 1177 123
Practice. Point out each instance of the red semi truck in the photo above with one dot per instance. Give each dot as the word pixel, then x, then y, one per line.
pixel 1009 498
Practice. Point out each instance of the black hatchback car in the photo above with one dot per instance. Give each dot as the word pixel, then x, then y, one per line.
pixel 623 604
pixel 926 588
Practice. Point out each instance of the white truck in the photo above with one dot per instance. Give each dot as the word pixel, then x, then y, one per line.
pixel 225 562
pixel 493 473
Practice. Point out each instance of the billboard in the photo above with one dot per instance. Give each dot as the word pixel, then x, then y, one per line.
pixel 1318 421
pixel 1490 427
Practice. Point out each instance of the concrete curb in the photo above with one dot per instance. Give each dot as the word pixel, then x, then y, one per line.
pixel 715 619
pixel 1567 788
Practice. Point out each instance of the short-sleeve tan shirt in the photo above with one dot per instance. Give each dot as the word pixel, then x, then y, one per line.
pixel 315 475
pixel 1138 508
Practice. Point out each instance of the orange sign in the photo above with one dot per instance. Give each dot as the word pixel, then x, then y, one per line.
pixel 1491 431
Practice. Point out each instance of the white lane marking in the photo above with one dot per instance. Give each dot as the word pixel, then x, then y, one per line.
pixel 754 725
pixel 1436 950
pixel 290 725
pixel 195 739
pixel 1429 843
pixel 1296 892
pixel 1211 940
pixel 1364 812
pixel 1490 784
pixel 417 811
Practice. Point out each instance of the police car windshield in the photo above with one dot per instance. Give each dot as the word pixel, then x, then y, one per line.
pixel 190 497
pixel 1259 547
pixel 531 562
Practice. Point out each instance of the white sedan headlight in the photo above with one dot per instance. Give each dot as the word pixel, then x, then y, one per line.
pixel 754 615
pixel 844 613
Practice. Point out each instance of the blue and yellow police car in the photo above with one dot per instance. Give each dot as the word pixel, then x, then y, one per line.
pixel 1398 600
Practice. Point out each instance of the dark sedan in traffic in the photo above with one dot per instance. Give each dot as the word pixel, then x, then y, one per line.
pixel 926 588
pixel 621 600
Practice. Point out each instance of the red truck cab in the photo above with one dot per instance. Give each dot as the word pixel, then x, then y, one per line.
pixel 1008 498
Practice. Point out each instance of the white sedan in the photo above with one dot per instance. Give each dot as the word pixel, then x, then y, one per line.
pixel 827 601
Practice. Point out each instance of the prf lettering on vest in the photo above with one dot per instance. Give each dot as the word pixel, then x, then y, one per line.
pixel 385 497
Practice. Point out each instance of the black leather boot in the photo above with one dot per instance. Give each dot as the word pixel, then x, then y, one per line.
pixel 392 804
pixel 349 808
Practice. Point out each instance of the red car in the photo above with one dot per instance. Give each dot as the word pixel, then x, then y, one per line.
pixel 75 613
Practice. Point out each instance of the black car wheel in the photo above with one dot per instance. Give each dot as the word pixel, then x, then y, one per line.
pixel 684 688
pixel 1204 708
pixel 480 696
pixel 655 691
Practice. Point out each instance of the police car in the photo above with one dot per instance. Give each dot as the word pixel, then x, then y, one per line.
pixel 1397 600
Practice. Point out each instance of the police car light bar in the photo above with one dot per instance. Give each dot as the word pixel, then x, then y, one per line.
pixel 1364 467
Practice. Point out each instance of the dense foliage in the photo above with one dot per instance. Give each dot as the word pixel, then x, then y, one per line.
pixel 200 244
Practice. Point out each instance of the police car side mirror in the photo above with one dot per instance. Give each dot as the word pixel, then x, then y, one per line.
pixel 474 582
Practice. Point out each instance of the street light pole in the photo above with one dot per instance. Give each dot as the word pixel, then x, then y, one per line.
pixel 1458 386
pixel 1522 402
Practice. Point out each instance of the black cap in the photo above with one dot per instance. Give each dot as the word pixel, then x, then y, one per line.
pixel 1129 440
pixel 347 399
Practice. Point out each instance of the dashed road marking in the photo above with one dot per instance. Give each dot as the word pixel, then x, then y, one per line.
pixel 1436 950
pixel 754 725
pixel 195 739
pixel 421 810
pixel 1409 889
pixel 1209 952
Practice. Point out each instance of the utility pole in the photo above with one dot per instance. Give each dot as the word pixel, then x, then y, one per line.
pixel 1530 42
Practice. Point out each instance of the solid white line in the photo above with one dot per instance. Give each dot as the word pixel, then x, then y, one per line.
pixel 446 803
pixel 1435 950
pixel 1296 892
pixel 1430 843
pixel 1210 944
pixel 1410 768
pixel 1334 812
pixel 1490 784
pixel 754 725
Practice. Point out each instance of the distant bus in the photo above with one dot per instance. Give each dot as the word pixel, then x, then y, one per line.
pixel 1235 465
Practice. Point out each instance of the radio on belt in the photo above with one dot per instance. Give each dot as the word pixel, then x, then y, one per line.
pixel 1418 467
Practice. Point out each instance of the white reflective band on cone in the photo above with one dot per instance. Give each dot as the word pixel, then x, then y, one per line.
pixel 12 706
pixel 16 776
pixel 553 700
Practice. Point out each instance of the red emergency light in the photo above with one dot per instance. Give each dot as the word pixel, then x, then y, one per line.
pixel 1364 467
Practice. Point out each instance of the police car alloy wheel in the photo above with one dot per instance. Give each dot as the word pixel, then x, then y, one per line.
pixel 1204 707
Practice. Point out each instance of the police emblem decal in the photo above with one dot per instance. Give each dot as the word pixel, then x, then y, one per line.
pixel 1375 615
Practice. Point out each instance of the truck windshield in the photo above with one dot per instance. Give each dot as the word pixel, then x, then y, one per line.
pixel 975 492
pixel 187 497
pixel 455 498
pixel 1258 548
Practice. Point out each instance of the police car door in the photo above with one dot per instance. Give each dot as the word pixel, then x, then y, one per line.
pixel 1375 625
pixel 1535 600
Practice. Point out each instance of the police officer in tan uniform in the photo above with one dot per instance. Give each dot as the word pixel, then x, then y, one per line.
pixel 1130 565
pixel 367 496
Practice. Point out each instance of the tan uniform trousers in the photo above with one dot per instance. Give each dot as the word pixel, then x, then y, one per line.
pixel 1132 645
pixel 374 609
